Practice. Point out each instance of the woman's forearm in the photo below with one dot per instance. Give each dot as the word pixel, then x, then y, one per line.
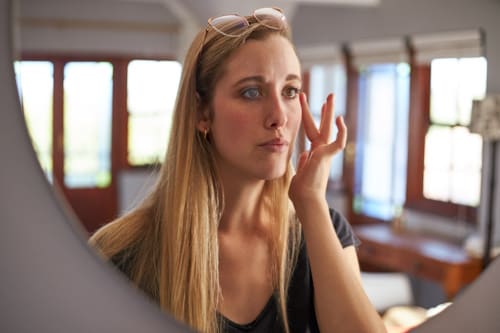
pixel 340 301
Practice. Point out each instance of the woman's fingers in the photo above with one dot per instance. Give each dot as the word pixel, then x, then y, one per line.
pixel 327 113
pixel 321 137
pixel 341 138
pixel 325 126
pixel 313 166
pixel 307 120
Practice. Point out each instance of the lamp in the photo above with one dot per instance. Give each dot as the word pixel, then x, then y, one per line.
pixel 485 120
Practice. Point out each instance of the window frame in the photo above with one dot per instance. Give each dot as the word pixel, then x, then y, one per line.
pixel 120 113
pixel 82 198
pixel 420 98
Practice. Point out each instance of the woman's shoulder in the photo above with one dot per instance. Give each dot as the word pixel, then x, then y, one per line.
pixel 343 228
pixel 112 247
pixel 123 261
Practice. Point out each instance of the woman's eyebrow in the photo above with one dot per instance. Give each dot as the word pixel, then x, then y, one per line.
pixel 260 79
pixel 254 78
pixel 291 77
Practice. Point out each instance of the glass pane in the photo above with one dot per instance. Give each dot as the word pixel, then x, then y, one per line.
pixel 453 159
pixel 445 77
pixel 467 152
pixel 35 81
pixel 325 79
pixel 382 136
pixel 454 84
pixel 437 163
pixel 146 134
pixel 472 85
pixel 466 166
pixel 466 187
pixel 152 90
pixel 88 90
pixel 437 184
pixel 400 144
pixel 438 148
pixel 377 177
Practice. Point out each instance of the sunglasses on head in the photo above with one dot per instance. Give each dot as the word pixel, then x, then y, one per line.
pixel 233 25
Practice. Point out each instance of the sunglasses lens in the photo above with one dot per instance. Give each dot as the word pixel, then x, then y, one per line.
pixel 229 25
pixel 270 17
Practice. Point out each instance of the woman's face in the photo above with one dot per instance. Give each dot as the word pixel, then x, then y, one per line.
pixel 256 109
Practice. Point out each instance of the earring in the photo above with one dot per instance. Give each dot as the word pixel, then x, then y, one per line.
pixel 205 133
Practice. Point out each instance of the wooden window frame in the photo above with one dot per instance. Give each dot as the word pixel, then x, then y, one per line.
pixel 119 130
pixel 420 96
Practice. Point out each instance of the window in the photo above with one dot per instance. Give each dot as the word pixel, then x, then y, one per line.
pixel 380 166
pixel 35 81
pixel 151 92
pixel 377 110
pixel 78 117
pixel 444 159
pixel 87 124
pixel 452 161
pixel 92 111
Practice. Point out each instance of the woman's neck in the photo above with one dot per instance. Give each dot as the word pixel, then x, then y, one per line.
pixel 243 205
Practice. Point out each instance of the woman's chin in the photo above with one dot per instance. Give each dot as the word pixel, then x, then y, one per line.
pixel 275 173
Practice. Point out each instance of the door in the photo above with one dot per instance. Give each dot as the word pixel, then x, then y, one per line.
pixel 82 136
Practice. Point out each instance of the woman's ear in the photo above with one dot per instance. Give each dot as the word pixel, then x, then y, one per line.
pixel 203 116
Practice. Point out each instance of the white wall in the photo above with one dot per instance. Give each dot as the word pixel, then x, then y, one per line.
pixel 97 27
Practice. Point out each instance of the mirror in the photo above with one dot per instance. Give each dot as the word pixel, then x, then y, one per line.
pixel 88 270
pixel 51 281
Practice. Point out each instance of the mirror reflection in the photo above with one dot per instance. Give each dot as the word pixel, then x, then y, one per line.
pixel 98 83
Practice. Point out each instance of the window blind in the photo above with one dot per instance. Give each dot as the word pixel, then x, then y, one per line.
pixel 365 53
pixel 320 55
pixel 453 44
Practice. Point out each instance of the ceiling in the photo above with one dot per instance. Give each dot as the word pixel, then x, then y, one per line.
pixel 198 11
pixel 207 8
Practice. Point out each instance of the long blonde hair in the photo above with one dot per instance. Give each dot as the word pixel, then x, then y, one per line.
pixel 170 240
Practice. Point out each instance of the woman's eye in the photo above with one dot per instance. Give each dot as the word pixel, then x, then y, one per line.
pixel 291 92
pixel 251 93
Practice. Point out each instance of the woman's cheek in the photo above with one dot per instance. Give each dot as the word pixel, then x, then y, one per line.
pixel 237 125
pixel 296 118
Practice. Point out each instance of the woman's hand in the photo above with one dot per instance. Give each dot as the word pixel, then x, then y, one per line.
pixel 313 166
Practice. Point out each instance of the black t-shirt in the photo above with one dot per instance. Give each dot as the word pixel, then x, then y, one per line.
pixel 300 303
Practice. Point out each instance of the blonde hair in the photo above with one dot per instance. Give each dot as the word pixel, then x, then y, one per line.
pixel 170 241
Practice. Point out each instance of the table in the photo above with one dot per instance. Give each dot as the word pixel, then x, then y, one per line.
pixel 422 256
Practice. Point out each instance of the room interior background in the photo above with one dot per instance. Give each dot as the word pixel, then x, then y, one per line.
pixel 118 30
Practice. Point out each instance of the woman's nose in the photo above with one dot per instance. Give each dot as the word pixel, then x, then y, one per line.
pixel 276 116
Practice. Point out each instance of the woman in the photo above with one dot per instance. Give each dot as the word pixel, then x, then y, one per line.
pixel 221 241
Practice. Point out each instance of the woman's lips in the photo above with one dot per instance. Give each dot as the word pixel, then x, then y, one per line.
pixel 275 145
